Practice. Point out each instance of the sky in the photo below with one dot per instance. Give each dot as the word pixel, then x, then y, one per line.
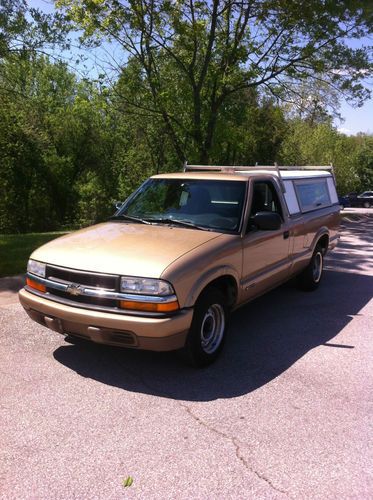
pixel 355 120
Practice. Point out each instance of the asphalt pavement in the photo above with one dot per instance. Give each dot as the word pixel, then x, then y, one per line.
pixel 286 412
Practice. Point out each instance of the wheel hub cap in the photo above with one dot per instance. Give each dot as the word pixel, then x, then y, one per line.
pixel 212 328
pixel 317 267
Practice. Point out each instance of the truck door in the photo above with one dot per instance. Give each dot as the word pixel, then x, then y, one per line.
pixel 265 253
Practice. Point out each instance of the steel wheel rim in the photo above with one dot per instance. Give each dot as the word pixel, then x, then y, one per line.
pixel 212 328
pixel 317 267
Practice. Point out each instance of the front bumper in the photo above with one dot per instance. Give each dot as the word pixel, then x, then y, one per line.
pixel 165 333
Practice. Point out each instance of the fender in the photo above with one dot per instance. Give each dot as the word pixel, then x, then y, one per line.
pixel 205 279
pixel 320 233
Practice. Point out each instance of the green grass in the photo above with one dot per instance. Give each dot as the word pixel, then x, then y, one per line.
pixel 15 249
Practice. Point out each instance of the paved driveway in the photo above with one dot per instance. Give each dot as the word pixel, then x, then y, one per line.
pixel 285 413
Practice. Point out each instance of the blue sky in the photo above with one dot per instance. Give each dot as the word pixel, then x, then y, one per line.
pixel 355 119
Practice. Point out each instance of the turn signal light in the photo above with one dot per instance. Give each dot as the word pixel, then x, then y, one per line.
pixel 37 286
pixel 149 306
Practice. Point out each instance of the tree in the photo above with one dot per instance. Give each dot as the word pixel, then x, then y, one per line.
pixel 192 56
pixel 322 144
pixel 315 102
pixel 27 30
pixel 55 139
pixel 362 159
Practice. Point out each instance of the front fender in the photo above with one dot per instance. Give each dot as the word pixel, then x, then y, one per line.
pixel 206 279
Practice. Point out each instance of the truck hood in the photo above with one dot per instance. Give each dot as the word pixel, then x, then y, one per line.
pixel 123 248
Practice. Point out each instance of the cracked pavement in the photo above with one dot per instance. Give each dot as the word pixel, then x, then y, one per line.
pixel 285 413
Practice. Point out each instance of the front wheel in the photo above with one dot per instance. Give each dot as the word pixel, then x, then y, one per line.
pixel 366 204
pixel 207 333
pixel 311 276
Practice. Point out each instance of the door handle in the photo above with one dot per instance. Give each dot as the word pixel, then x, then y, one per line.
pixel 286 235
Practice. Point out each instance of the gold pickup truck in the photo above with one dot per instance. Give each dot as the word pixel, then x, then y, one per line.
pixel 181 253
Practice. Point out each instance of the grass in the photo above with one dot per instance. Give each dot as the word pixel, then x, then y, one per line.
pixel 15 249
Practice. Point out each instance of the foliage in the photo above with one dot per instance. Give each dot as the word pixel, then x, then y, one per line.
pixel 128 481
pixel 24 31
pixel 204 81
pixel 362 161
pixel 187 59
pixel 15 250
pixel 352 157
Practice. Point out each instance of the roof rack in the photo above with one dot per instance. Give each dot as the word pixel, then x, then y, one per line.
pixel 239 168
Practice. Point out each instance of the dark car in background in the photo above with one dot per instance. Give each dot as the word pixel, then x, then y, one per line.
pixel 363 200
pixel 344 201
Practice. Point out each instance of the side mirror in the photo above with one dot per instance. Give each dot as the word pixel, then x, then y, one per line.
pixel 118 204
pixel 267 221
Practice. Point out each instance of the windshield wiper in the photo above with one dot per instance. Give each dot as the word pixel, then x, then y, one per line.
pixel 129 217
pixel 178 222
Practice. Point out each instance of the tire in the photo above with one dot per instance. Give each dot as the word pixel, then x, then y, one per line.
pixel 310 277
pixel 366 204
pixel 207 333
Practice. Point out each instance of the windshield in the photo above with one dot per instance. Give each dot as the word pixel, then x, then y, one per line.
pixel 204 204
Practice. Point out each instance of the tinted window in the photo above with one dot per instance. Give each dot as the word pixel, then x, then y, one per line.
pixel 265 199
pixel 312 194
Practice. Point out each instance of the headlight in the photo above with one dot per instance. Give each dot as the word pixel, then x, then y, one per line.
pixel 35 267
pixel 145 286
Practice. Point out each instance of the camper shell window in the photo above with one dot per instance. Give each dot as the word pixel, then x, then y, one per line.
pixel 312 194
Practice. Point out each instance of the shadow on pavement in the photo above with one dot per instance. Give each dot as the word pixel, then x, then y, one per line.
pixel 354 251
pixel 265 338
pixel 12 283
pixel 9 288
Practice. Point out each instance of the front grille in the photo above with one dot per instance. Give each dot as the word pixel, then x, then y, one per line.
pixel 83 299
pixel 92 280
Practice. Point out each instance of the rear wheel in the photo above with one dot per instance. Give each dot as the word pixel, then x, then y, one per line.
pixel 310 278
pixel 206 336
pixel 366 204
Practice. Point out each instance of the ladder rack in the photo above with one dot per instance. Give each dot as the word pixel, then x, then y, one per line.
pixel 241 168
pixel 247 168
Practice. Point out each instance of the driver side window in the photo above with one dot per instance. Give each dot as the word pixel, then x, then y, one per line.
pixel 265 199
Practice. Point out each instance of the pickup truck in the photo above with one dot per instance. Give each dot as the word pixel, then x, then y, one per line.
pixel 181 253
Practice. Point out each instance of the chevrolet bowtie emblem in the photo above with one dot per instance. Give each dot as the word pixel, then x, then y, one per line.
pixel 73 289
